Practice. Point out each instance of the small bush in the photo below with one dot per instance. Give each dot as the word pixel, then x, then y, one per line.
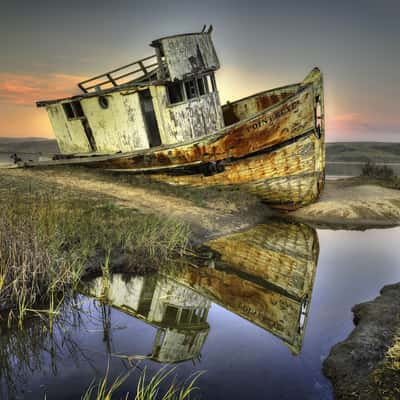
pixel 371 170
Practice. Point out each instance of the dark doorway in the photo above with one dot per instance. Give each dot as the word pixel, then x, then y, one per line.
pixel 89 134
pixel 149 116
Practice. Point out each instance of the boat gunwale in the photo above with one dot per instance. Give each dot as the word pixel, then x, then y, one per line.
pixel 231 103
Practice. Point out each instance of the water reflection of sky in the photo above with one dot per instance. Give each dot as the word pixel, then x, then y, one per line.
pixel 241 359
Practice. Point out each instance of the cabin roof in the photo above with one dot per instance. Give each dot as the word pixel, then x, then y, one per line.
pixel 156 42
pixel 132 87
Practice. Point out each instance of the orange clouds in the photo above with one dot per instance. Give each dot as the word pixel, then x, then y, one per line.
pixel 21 89
pixel 18 94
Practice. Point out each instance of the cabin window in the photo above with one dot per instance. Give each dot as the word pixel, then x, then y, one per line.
pixel 179 91
pixel 213 83
pixel 73 110
pixel 69 112
pixel 201 87
pixel 103 102
pixel 206 83
pixel 76 105
pixel 175 92
pixel 191 90
pixel 170 314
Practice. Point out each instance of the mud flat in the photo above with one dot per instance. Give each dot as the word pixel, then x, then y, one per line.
pixel 353 203
pixel 367 364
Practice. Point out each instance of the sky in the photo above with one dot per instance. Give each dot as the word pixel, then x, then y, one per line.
pixel 46 47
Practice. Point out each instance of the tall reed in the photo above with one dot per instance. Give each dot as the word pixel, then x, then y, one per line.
pixel 50 239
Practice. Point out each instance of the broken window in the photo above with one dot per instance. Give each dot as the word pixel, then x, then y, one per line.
pixel 69 112
pixel 170 314
pixel 213 82
pixel 206 84
pixel 78 109
pixel 200 85
pixel 175 92
pixel 191 89
pixel 73 110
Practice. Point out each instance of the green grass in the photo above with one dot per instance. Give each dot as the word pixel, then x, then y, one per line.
pixel 50 239
pixel 147 388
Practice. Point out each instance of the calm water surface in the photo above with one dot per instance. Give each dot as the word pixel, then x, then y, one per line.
pixel 260 322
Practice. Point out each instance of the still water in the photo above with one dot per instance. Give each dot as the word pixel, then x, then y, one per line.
pixel 259 317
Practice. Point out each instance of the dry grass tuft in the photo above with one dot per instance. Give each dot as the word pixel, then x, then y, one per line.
pixel 48 237
pixel 148 388
pixel 385 379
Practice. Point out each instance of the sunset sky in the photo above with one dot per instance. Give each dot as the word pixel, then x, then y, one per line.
pixel 48 46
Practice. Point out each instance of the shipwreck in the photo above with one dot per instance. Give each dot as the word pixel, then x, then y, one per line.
pixel 162 116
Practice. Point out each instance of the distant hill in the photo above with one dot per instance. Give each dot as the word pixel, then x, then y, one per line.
pixel 26 148
pixel 363 151
pixel 340 151
pixel 28 145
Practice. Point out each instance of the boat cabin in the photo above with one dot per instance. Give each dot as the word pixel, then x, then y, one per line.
pixel 166 98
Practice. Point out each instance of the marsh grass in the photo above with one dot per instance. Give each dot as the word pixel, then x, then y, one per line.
pixel 50 239
pixel 147 388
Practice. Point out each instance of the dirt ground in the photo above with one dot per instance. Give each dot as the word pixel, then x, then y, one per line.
pixel 343 203
pixel 217 215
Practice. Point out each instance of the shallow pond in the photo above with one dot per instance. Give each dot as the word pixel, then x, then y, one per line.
pixel 259 318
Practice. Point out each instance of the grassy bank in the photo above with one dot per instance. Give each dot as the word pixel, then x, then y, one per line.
pixel 51 238
pixel 385 379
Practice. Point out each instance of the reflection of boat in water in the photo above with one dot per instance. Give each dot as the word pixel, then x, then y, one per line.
pixel 264 275
pixel 178 313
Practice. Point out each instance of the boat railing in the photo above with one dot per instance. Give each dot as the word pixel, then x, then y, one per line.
pixel 133 72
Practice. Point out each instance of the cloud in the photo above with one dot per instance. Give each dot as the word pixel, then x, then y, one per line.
pixel 353 122
pixel 25 89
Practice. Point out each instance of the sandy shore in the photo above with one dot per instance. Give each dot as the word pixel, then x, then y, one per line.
pixel 349 202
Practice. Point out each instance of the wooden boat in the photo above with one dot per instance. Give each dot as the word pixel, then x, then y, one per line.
pixel 169 123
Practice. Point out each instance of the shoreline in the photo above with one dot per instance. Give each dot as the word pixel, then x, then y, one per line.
pixel 351 203
pixel 358 366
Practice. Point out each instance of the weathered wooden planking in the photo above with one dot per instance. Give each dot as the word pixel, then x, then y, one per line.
pixel 274 126
pixel 244 108
pixel 186 55
pixel 281 253
pixel 271 310
pixel 288 176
